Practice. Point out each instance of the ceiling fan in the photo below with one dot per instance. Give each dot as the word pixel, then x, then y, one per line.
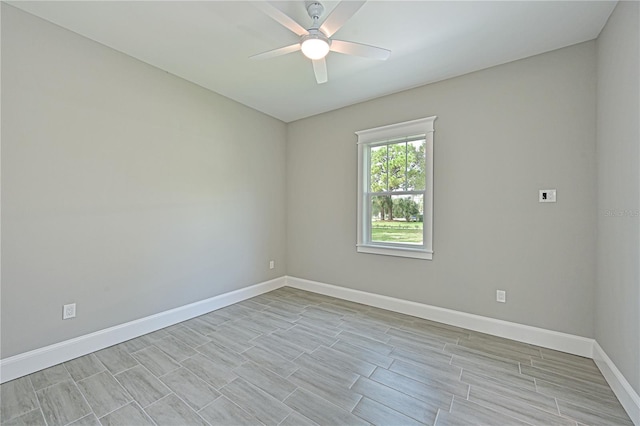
pixel 316 42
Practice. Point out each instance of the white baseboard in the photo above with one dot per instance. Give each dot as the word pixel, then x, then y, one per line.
pixel 537 336
pixel 628 397
pixel 35 360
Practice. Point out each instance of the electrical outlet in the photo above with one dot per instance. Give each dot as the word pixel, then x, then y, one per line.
pixel 69 311
pixel 272 264
pixel 501 296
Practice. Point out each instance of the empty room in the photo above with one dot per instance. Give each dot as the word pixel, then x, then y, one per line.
pixel 298 213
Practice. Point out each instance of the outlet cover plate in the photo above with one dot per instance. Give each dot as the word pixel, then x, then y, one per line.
pixel 69 311
pixel 501 296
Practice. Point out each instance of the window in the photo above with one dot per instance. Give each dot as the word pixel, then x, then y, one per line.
pixel 395 189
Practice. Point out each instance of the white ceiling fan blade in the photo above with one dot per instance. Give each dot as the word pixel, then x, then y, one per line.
pixel 339 16
pixel 320 70
pixel 277 52
pixel 280 17
pixel 358 49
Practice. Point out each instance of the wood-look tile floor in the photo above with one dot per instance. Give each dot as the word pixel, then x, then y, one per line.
pixel 291 357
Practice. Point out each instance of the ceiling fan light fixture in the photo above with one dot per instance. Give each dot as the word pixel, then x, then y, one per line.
pixel 315 45
pixel 315 41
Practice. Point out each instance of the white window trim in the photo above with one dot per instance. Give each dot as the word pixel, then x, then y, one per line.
pixel 423 126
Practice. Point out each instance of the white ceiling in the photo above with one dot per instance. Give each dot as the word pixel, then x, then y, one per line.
pixel 209 42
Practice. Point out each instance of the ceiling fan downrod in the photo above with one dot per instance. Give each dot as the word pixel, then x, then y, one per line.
pixel 315 11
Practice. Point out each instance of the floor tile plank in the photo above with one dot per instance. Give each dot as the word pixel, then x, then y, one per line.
pixel 508 387
pixel 155 360
pixel 425 357
pixel 84 366
pixel 256 402
pixel 426 373
pixel 190 337
pixel 325 388
pixel 17 397
pixel 279 345
pixel 30 418
pixel 590 416
pixel 581 373
pixel 143 386
pixel 474 414
pixel 171 411
pixel 103 393
pixel 364 328
pixel 320 410
pixel 502 351
pixel 566 381
pixel 303 337
pixel 130 414
pixel 224 412
pixel 62 403
pixel 174 348
pixel 363 354
pixel 345 378
pixel 434 391
pixel 88 420
pixel 318 327
pixel 270 382
pixel 342 361
pixel 366 342
pixel 116 359
pixel 211 372
pixel 296 419
pixel 381 415
pixel 516 408
pixel 421 411
pixel 482 357
pixel 190 388
pixel 221 354
pixel 49 376
pixel 604 404
pixel 271 361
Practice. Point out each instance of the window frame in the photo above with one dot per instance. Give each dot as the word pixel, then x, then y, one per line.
pixel 385 135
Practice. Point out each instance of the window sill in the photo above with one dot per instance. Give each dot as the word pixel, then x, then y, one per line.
pixel 395 251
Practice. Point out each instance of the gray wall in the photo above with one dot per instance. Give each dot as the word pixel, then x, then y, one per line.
pixel 124 189
pixel 501 135
pixel 618 138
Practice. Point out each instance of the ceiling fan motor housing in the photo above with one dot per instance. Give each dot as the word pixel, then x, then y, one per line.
pixel 315 35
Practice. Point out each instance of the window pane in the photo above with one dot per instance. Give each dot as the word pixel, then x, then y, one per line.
pixel 397 167
pixel 397 219
pixel 397 164
pixel 415 165
pixel 379 168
